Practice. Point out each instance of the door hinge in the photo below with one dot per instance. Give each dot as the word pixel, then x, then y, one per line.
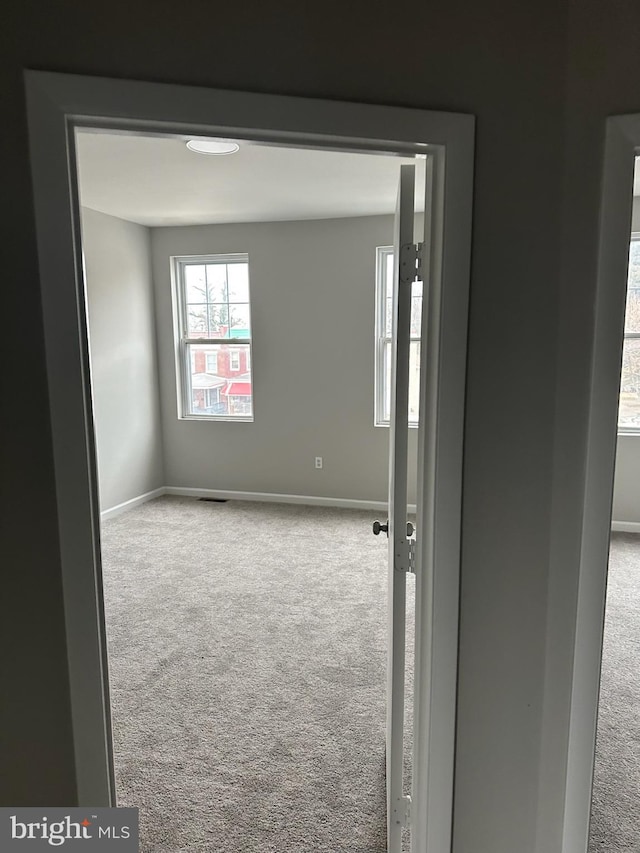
pixel 411 255
pixel 402 812
pixel 405 555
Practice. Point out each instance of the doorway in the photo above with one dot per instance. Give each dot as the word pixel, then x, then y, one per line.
pixel 245 623
pixel 56 103
pixel 614 817
pixel 595 500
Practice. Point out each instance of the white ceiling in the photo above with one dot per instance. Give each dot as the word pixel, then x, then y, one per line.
pixel 156 181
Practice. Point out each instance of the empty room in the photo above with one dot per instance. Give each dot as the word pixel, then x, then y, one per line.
pixel 239 310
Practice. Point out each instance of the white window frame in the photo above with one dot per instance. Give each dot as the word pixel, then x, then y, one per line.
pixel 234 356
pixel 381 339
pixel 629 336
pixel 183 341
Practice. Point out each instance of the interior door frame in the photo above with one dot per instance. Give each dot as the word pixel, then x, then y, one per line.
pixel 622 144
pixel 56 104
pixel 404 227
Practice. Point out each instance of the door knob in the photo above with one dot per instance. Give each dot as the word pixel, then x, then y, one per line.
pixel 380 528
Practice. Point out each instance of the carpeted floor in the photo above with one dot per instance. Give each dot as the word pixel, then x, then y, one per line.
pixel 247 654
pixel 615 809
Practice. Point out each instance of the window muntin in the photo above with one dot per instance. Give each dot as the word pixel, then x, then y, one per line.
pixel 629 404
pixel 384 309
pixel 215 337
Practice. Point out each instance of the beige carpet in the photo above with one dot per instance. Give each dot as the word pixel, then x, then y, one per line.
pixel 247 656
pixel 615 809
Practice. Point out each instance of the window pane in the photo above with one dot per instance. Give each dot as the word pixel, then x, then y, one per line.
pixel 219 380
pixel 219 321
pixel 386 321
pixel 386 374
pixel 632 314
pixel 414 381
pixel 416 300
pixel 388 317
pixel 629 412
pixel 240 322
pixel 217 282
pixel 238 278
pixel 388 275
pixel 197 321
pixel 416 312
pixel 634 263
pixel 195 281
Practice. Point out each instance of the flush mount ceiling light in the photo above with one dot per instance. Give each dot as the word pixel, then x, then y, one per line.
pixel 212 146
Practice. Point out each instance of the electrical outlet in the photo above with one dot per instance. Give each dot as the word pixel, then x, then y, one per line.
pixel 318 461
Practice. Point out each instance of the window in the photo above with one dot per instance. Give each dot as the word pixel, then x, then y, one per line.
pixel 629 406
pixel 214 349
pixel 211 397
pixel 384 299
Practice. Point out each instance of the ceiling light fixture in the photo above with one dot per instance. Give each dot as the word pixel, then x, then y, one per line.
pixel 212 146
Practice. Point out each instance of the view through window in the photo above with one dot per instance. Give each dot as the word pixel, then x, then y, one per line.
pixel 384 309
pixel 629 409
pixel 215 337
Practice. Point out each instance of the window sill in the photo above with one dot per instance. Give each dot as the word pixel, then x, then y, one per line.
pixel 386 424
pixel 207 419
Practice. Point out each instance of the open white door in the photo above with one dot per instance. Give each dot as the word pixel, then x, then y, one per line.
pixel 400 545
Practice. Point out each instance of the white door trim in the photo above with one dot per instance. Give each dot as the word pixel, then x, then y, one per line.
pixel 621 144
pixel 56 104
pixel 439 501
pixel 398 805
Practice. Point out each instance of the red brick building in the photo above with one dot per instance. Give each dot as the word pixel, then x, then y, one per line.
pixel 221 380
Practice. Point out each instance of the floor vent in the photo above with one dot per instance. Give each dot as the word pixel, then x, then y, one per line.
pixel 214 500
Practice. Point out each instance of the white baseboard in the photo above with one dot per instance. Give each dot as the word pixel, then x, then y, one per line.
pixel 625 526
pixel 268 497
pixel 308 500
pixel 113 511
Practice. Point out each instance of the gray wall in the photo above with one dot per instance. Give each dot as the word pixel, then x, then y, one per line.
pixel 626 492
pixel 124 371
pixel 332 413
pixel 539 139
pixel 313 305
pixel 603 68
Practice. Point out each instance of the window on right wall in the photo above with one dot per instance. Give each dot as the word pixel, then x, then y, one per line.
pixel 384 313
pixel 629 406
